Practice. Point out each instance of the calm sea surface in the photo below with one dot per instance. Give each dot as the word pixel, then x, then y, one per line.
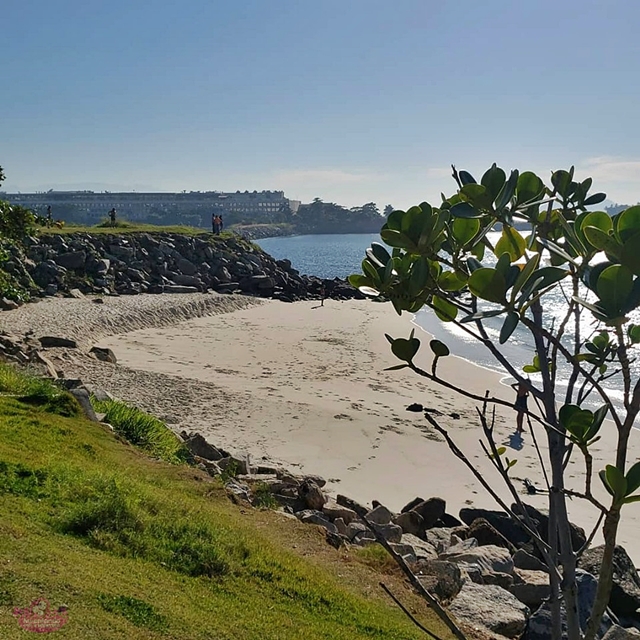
pixel 330 256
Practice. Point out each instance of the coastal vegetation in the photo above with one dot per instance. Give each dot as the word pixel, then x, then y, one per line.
pixel 442 258
pixel 132 546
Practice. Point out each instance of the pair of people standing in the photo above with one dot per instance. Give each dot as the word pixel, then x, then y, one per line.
pixel 217 224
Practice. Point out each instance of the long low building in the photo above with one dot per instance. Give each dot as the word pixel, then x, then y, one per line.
pixel 140 206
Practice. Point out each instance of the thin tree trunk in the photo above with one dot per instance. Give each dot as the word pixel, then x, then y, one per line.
pixel 605 579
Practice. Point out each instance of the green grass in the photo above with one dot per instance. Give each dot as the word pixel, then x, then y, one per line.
pixel 124 227
pixel 139 548
pixel 143 430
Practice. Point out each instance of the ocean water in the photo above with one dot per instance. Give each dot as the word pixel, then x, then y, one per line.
pixel 330 256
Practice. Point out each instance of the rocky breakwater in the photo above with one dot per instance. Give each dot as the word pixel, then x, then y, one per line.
pixel 161 262
pixel 482 565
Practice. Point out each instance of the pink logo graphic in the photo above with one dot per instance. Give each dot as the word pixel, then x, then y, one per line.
pixel 39 618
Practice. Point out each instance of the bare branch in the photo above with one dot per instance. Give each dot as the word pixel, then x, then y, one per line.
pixel 408 613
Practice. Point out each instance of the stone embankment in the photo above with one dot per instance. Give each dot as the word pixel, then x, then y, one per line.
pixel 482 564
pixel 160 263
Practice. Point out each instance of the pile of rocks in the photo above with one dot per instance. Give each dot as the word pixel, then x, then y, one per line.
pixel 160 263
pixel 483 565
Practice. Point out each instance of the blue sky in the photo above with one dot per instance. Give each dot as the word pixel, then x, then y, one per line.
pixel 351 101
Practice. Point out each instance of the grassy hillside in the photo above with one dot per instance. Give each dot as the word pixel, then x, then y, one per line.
pixel 122 227
pixel 136 547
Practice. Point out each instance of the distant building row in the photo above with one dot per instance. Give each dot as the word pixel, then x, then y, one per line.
pixel 138 206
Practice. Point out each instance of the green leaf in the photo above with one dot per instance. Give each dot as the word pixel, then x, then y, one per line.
pixel 477 195
pixel 631 499
pixel 633 479
pixel 525 274
pixel 596 198
pixel 628 223
pixel 481 315
pixel 510 242
pixel 602 241
pixel 634 333
pixel 614 287
pixel 488 284
pixel 575 420
pixel 419 276
pixel 550 275
pixel 530 368
pixel 465 229
pixel 405 349
pixel 439 348
pixel 371 272
pixel 494 180
pixel 630 254
pixel 380 252
pixel 396 239
pixel 529 187
pixel 464 210
pixel 616 481
pixel 449 281
pixel 466 177
pixel 598 418
pixel 507 191
pixel 444 309
pixel 561 180
pixel 557 250
pixel 357 280
pixel 508 326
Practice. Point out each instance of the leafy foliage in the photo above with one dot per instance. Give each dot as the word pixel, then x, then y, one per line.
pixel 16 222
pixel 549 239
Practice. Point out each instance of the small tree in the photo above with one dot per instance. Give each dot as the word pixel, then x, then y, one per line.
pixel 442 258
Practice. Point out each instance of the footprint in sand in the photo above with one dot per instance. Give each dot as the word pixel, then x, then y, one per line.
pixel 342 416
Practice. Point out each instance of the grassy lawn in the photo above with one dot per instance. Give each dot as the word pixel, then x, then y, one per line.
pixel 122 227
pixel 137 547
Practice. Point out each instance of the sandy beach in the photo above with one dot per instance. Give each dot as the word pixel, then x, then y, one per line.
pixel 304 386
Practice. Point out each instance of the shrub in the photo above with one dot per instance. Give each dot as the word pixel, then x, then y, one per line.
pixel 16 222
pixel 144 431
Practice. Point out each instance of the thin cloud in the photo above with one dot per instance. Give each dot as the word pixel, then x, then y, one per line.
pixel 613 169
pixel 323 176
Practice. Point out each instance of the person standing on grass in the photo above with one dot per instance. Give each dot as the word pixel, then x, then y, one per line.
pixel 112 216
pixel 522 393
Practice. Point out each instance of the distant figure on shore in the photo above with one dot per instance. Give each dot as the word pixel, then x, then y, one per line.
pixel 522 393
pixel 221 222
pixel 112 216
pixel 216 223
pixel 49 216
pixel 323 295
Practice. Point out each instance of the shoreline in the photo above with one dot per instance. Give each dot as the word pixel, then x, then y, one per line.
pixel 303 386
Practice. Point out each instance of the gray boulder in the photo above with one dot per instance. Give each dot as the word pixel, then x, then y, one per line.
pixel 617 632
pixel 380 515
pixel 431 511
pixel 311 516
pixel 421 548
pixel 489 558
pixel 531 587
pixel 441 577
pixel 200 447
pixel 411 522
pixel 500 521
pixel 82 396
pixel 524 560
pixel 310 492
pixel 625 594
pixel 390 532
pixel 539 627
pixel 490 608
pixel 333 511
pixel 104 353
pixel 71 260
pixel 485 533
pixel 55 341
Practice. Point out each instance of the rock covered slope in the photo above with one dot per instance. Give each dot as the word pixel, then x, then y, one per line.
pixel 160 263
